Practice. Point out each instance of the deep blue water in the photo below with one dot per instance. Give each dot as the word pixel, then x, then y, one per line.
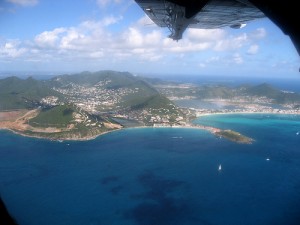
pixel 157 176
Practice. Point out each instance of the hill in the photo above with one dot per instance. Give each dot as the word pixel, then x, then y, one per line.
pixel 84 105
pixel 16 93
pixel 204 92
pixel 116 93
pixel 131 89
pixel 266 90
pixel 113 79
pixel 68 122
pixel 59 116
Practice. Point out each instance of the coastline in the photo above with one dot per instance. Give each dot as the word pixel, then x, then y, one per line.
pixel 246 112
pixel 213 130
pixel 87 138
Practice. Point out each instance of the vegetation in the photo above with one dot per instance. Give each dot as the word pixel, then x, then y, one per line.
pixel 224 92
pixel 87 104
pixel 68 122
pixel 234 136
pixel 58 116
pixel 118 79
pixel 16 93
pixel 142 93
pixel 73 116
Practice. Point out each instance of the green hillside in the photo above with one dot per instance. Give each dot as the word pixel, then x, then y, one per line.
pixel 215 92
pixel 140 93
pixel 68 122
pixel 118 79
pixel 234 136
pixel 264 90
pixel 16 93
pixel 59 116
pixel 226 92
pixel 271 92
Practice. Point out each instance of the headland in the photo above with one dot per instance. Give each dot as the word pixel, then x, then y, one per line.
pixel 85 105
pixel 17 122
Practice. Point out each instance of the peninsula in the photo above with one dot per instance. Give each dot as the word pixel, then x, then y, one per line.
pixel 85 105
pixel 17 121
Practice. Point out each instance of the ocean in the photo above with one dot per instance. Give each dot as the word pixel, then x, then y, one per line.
pixel 158 176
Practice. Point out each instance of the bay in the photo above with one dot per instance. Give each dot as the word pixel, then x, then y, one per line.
pixel 157 175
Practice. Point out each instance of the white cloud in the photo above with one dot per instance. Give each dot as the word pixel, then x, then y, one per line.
pixel 231 43
pixel 202 65
pixel 11 49
pixel 96 54
pixel 146 21
pixel 92 25
pixel 153 39
pixel 89 36
pixel 103 3
pixel 253 49
pixel 24 2
pixel 202 35
pixel 133 38
pixel 237 59
pixel 94 39
pixel 151 56
pixel 111 20
pixel 185 46
pixel 284 65
pixel 213 59
pixel 73 40
pixel 259 33
pixel 49 38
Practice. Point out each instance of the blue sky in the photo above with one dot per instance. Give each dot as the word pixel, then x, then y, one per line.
pixel 91 35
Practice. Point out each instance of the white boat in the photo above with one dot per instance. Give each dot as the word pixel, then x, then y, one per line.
pixel 220 167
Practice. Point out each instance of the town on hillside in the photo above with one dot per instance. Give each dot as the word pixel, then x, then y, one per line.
pixel 85 105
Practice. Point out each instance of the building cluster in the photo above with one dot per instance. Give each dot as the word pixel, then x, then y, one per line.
pixel 152 116
pixel 94 98
pixel 243 99
pixel 98 99
pixel 251 108
pixel 50 101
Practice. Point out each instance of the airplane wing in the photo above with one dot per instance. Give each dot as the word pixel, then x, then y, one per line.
pixel 177 15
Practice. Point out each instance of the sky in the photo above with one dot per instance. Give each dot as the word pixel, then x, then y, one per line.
pixel 90 35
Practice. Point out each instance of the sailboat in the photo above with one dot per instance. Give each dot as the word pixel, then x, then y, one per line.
pixel 220 167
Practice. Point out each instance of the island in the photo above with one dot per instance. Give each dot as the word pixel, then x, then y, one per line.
pixel 234 136
pixel 85 105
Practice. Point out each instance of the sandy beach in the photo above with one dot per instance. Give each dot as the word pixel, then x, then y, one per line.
pixel 247 112
pixel 15 121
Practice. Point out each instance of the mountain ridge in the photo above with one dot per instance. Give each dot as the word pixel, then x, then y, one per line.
pixel 86 104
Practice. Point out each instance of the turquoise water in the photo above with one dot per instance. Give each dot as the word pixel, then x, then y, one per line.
pixel 157 176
